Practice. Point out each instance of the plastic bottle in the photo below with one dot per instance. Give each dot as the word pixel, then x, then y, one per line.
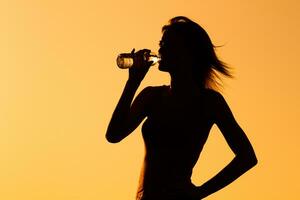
pixel 125 60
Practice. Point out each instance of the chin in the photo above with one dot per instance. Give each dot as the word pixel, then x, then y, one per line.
pixel 163 68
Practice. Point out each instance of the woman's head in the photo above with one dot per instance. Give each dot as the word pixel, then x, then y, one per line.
pixel 186 44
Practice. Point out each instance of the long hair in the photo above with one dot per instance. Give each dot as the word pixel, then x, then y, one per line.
pixel 207 67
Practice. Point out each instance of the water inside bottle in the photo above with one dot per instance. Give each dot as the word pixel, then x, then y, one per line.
pixel 154 59
pixel 124 62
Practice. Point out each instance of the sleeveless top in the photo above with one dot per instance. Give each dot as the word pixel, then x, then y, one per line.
pixel 174 134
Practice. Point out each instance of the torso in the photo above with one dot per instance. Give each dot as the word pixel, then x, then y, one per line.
pixel 174 134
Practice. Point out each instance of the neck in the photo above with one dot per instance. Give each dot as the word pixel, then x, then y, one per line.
pixel 184 86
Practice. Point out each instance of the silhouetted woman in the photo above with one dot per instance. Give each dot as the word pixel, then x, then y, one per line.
pixel 180 116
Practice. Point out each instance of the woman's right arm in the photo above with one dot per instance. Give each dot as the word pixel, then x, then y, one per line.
pixel 126 116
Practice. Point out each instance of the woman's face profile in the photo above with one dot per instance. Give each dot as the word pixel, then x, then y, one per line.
pixel 172 52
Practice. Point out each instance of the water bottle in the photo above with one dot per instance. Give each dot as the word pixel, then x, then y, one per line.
pixel 126 60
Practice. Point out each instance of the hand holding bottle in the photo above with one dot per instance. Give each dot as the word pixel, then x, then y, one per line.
pixel 126 60
pixel 140 65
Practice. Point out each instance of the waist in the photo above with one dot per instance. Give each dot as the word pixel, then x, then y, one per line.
pixel 169 192
pixel 167 188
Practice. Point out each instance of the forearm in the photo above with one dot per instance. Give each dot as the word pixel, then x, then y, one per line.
pixel 231 172
pixel 123 108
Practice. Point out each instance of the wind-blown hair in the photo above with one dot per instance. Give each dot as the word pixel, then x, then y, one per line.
pixel 206 65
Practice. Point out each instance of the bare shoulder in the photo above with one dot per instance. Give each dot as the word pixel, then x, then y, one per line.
pixel 152 92
pixel 221 109
pixel 213 95
pixel 217 100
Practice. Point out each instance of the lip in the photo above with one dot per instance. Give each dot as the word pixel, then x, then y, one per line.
pixel 160 57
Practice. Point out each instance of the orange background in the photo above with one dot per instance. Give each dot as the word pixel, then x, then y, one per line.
pixel 59 86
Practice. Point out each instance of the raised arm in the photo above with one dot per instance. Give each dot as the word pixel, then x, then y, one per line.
pixel 245 157
pixel 127 115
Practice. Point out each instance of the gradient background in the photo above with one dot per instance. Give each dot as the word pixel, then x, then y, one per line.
pixel 59 86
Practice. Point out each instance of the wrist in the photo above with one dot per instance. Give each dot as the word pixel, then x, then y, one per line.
pixel 200 193
pixel 134 81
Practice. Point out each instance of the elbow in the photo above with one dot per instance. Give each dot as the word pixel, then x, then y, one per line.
pixel 114 136
pixel 249 160
pixel 112 139
pixel 110 135
pixel 253 160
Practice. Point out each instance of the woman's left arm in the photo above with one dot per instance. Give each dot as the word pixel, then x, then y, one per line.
pixel 244 159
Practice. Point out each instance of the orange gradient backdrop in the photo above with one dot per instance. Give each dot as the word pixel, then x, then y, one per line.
pixel 59 86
